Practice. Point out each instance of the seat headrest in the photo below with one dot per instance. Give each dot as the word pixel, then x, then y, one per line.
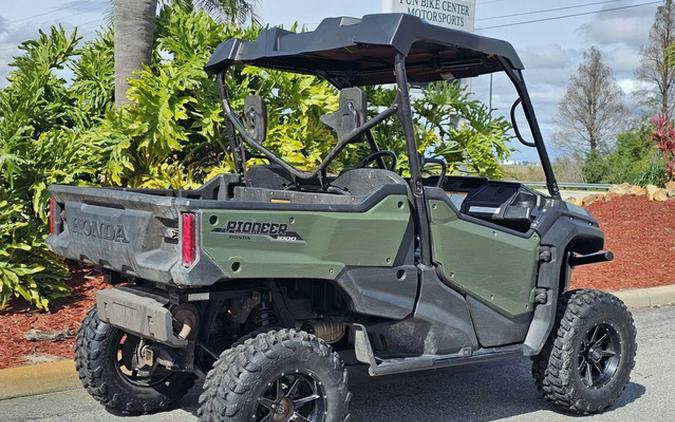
pixel 352 112
pixel 255 117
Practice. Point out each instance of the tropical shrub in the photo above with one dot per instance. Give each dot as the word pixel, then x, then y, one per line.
pixel 172 134
pixel 663 135
pixel 596 167
pixel 42 120
pixel 449 125
pixel 634 158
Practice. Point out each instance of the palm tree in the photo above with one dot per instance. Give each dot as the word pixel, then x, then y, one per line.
pixel 134 24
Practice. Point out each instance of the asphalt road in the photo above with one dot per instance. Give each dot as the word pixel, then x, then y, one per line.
pixel 486 392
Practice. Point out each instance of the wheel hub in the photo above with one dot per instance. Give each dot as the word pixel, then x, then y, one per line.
pixel 594 355
pixel 283 409
pixel 130 356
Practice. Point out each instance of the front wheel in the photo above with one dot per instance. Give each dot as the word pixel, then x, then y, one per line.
pixel 587 360
pixel 283 375
pixel 106 359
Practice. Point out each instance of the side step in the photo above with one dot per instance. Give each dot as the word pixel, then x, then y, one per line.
pixel 364 354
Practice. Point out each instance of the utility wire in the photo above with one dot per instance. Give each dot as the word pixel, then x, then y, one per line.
pixel 555 9
pixel 488 2
pixel 569 16
pixel 57 9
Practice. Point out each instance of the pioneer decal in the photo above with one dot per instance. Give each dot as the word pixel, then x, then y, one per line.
pixel 238 229
pixel 98 229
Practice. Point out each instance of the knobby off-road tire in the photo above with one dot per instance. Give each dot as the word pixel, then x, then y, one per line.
pixel 242 386
pixel 561 370
pixel 96 360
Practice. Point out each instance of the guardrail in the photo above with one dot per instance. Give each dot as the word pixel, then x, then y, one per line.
pixel 571 186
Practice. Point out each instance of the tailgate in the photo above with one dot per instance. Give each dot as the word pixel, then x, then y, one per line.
pixel 133 233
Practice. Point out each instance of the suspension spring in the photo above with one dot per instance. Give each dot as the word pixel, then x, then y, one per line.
pixel 265 316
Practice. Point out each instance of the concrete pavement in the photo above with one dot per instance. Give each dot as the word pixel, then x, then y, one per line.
pixel 567 194
pixel 502 390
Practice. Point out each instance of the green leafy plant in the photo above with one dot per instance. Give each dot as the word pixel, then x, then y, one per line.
pixel 43 125
pixel 634 158
pixel 449 125
pixel 27 268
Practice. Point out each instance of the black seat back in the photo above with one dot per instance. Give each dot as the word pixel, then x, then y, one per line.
pixel 270 176
pixel 362 181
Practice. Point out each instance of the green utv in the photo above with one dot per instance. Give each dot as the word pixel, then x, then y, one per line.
pixel 260 278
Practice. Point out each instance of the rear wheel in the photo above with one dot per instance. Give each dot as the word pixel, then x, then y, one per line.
pixel 283 375
pixel 106 359
pixel 586 363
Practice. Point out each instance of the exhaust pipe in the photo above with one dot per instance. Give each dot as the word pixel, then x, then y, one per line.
pixel 185 320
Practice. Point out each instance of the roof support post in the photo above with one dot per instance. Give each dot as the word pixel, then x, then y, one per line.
pixel 414 162
pixel 236 147
pixel 516 77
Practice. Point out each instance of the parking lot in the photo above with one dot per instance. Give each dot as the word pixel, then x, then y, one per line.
pixel 494 391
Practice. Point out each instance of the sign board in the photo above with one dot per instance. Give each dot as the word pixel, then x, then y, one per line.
pixel 455 14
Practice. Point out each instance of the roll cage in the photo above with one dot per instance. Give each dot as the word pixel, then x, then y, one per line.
pixel 377 49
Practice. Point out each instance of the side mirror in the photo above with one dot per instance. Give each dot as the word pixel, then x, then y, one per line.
pixel 255 117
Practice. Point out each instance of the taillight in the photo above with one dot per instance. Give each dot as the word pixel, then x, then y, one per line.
pixel 188 239
pixel 52 215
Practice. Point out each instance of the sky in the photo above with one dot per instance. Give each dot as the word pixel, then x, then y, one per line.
pixel 551 50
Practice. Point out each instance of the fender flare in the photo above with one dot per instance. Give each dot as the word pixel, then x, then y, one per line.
pixel 565 236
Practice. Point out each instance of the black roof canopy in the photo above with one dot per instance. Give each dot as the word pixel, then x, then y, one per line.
pixel 351 52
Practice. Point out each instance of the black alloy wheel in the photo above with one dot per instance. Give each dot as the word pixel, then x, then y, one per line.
pixel 599 355
pixel 294 397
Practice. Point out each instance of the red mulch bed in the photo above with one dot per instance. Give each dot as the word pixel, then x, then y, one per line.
pixel 641 234
pixel 66 314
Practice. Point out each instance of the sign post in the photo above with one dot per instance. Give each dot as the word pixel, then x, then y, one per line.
pixel 455 14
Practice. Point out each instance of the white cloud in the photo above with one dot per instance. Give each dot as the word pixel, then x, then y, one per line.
pixel 623 59
pixel 555 77
pixel 10 37
pixel 13 34
pixel 550 56
pixel 632 86
pixel 629 27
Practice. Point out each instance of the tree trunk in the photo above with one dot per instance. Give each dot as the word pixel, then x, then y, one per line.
pixel 134 24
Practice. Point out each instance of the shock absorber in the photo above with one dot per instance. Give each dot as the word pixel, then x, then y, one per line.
pixel 265 316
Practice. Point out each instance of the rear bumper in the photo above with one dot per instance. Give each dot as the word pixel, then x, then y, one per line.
pixel 137 314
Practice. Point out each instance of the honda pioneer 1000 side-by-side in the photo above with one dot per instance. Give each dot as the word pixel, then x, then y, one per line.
pixel 263 278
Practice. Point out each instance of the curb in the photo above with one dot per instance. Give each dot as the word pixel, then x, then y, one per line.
pixel 647 297
pixel 61 376
pixel 37 379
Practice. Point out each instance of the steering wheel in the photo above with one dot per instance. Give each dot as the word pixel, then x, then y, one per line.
pixel 379 154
